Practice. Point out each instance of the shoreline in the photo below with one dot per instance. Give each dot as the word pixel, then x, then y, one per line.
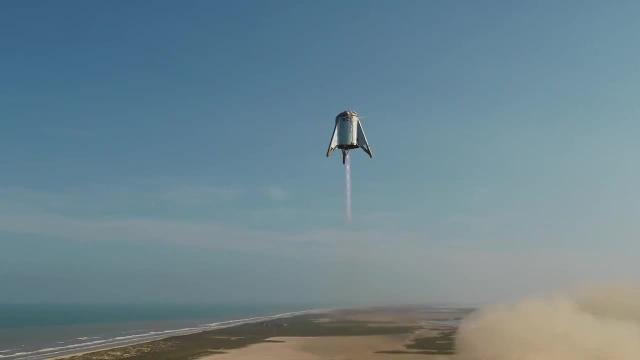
pixel 67 351
pixel 380 333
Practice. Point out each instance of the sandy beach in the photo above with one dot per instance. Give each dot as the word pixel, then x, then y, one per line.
pixel 374 333
pixel 328 347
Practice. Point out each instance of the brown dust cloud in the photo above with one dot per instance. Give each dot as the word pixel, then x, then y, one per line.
pixel 601 324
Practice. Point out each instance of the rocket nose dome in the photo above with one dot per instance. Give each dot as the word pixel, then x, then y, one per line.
pixel 347 114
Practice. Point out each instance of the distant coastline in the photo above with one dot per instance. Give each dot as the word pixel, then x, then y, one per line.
pixel 97 344
pixel 397 332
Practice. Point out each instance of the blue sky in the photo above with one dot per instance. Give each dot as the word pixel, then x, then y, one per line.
pixel 143 144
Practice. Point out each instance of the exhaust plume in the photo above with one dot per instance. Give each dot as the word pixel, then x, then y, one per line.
pixel 597 325
pixel 347 173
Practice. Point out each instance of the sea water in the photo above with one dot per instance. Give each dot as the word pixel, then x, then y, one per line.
pixel 39 331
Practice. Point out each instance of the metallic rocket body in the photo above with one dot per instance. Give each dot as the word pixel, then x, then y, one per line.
pixel 348 134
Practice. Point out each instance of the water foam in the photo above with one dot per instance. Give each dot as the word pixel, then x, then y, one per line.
pixel 133 339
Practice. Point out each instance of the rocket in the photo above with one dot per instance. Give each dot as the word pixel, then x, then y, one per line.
pixel 348 134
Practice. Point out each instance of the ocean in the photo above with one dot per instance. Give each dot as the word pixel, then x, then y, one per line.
pixel 40 331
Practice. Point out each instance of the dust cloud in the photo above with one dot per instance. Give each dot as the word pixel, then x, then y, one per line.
pixel 602 325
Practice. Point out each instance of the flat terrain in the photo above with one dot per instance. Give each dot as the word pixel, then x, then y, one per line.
pixel 378 333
